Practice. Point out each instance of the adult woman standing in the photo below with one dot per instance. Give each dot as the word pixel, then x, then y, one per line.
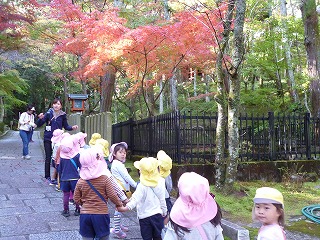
pixel 26 122
pixel 54 119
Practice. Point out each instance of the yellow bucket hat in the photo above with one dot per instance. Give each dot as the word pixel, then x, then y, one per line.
pixel 149 174
pixel 94 138
pixel 268 195
pixel 104 145
pixel 165 163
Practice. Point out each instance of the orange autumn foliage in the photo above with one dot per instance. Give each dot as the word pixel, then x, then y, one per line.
pixel 144 53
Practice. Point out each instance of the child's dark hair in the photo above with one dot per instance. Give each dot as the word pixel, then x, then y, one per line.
pixel 29 107
pixel 118 147
pixel 179 230
pixel 281 212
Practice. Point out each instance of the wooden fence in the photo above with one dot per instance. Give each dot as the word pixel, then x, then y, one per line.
pixel 95 123
pixel 190 138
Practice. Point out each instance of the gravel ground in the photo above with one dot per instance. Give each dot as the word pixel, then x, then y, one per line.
pixel 299 236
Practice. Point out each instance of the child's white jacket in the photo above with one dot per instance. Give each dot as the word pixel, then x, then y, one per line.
pixel 149 201
pixel 119 171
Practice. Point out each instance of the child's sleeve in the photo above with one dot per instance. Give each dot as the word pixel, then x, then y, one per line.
pixel 160 191
pixel 57 156
pixel 118 190
pixel 126 176
pixel 77 194
pixel 136 197
pixel 168 182
pixel 111 193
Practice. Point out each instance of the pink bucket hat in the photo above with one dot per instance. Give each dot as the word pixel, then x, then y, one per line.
pixel 81 138
pixel 57 136
pixel 111 157
pixel 194 205
pixel 93 164
pixel 69 147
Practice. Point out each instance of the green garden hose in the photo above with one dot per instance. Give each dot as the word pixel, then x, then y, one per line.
pixel 311 212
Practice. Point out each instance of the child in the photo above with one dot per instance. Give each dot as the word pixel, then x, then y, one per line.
pixel 195 214
pixel 56 158
pixel 165 170
pixel 268 209
pixel 94 217
pixel 101 148
pixel 57 136
pixel 82 140
pixel 149 199
pixel 117 158
pixel 68 170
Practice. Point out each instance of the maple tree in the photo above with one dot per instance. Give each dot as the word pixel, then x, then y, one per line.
pixel 13 16
pixel 100 39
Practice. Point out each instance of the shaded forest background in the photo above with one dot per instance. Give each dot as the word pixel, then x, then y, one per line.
pixel 274 75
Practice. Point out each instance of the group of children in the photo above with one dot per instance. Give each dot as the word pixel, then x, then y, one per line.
pixel 94 174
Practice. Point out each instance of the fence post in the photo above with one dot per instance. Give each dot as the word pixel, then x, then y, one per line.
pixel 131 135
pixel 150 142
pixel 271 135
pixel 307 135
pixel 177 130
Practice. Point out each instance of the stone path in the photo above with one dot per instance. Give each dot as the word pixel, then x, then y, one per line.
pixel 29 207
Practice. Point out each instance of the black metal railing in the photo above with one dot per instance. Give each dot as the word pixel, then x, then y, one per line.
pixel 190 138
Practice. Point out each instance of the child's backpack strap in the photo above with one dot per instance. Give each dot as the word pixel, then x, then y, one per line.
pixel 74 163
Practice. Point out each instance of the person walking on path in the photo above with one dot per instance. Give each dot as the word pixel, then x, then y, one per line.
pixel 27 124
pixel 195 214
pixel 149 199
pixel 54 119
pixel 68 170
pixel 117 159
pixel 92 192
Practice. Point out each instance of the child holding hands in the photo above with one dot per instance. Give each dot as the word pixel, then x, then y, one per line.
pixel 195 214
pixel 117 159
pixel 92 192
pixel 149 199
pixel 68 170
pixel 269 210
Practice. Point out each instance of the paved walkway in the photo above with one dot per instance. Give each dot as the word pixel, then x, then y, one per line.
pixel 29 207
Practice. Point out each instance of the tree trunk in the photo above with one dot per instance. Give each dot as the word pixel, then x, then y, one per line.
pixel 66 90
pixel 161 93
pixel 194 81
pixel 173 90
pixel 1 109
pixel 107 83
pixel 84 91
pixel 150 101
pixel 220 98
pixel 291 79
pixel 207 80
pixel 166 10
pixel 234 94
pixel 312 44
